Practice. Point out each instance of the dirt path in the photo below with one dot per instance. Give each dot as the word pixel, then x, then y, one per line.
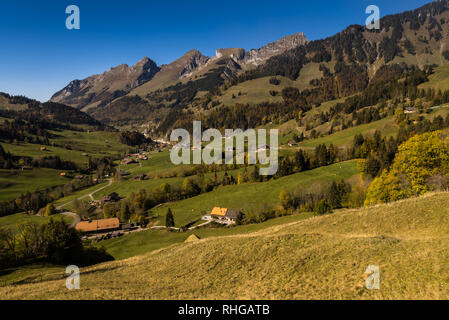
pixel 73 215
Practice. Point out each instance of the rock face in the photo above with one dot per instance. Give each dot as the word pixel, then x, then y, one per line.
pixel 108 86
pixel 190 62
pixel 257 57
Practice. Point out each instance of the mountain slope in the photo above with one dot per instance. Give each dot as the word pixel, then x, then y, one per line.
pixel 18 107
pixel 100 95
pixel 100 89
pixel 172 73
pixel 319 258
pixel 321 70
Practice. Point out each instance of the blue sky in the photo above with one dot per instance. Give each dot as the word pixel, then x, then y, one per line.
pixel 39 56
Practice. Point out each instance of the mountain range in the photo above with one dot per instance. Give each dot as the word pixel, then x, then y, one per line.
pixel 145 76
pixel 322 70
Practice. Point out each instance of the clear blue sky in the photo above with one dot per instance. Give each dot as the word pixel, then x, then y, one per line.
pixel 39 56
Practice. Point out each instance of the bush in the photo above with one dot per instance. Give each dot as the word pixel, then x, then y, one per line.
pixel 322 207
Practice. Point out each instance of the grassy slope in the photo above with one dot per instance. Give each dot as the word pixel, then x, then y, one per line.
pixel 438 80
pixel 237 196
pixel 319 258
pixel 17 182
pixel 386 126
pixel 258 90
pixel 12 221
pixel 94 144
pixel 146 241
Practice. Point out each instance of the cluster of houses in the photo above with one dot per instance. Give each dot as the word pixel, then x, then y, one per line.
pixel 113 226
pixel 134 157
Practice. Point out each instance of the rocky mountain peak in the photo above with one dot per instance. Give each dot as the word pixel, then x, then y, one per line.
pixel 256 57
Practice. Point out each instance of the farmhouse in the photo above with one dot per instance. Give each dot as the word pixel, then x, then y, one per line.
pixel 292 143
pixel 222 215
pixel 94 226
pixel 113 197
pixel 128 161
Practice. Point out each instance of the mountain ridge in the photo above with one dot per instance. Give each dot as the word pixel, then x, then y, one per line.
pixel 98 89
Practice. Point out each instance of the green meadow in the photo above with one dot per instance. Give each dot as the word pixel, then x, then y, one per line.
pixel 252 194
pixel 11 222
pixel 14 183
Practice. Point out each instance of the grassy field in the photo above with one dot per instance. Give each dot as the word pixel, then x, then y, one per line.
pixel 94 144
pixel 323 257
pixel 12 221
pixel 386 126
pixel 13 183
pixel 237 196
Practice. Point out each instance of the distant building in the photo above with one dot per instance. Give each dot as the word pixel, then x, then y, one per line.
pixel 43 149
pixel 94 226
pixel 128 161
pixel 409 110
pixel 113 197
pixel 292 143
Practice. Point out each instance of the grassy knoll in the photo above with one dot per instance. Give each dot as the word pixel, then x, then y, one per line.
pixel 319 258
pixel 237 196
pixel 13 183
pixel 11 222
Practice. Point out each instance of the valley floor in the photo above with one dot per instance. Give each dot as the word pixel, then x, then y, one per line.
pixel 322 257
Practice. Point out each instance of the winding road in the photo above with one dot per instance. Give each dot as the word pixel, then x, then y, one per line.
pixel 73 215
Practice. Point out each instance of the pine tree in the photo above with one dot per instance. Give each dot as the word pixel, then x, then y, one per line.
pixel 169 219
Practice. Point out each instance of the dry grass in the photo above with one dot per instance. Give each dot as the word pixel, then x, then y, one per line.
pixel 318 258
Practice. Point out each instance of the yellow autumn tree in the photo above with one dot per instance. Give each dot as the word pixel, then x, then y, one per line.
pixel 417 160
pixel 284 200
